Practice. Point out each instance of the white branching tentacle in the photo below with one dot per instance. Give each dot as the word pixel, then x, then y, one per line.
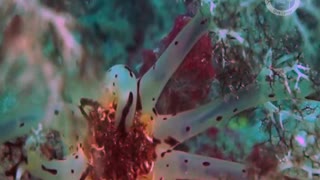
pixel 153 82
pixel 190 123
pixel 181 165
pixel 121 86
pixel 72 167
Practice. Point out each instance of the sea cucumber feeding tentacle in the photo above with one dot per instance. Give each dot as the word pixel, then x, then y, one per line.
pixel 72 167
pixel 190 123
pixel 180 165
pixel 121 89
pixel 62 156
pixel 155 79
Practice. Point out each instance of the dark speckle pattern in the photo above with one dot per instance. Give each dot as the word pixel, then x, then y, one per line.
pixel 219 118
pixel 206 163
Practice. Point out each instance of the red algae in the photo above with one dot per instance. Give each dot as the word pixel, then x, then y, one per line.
pixel 261 161
pixel 115 153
